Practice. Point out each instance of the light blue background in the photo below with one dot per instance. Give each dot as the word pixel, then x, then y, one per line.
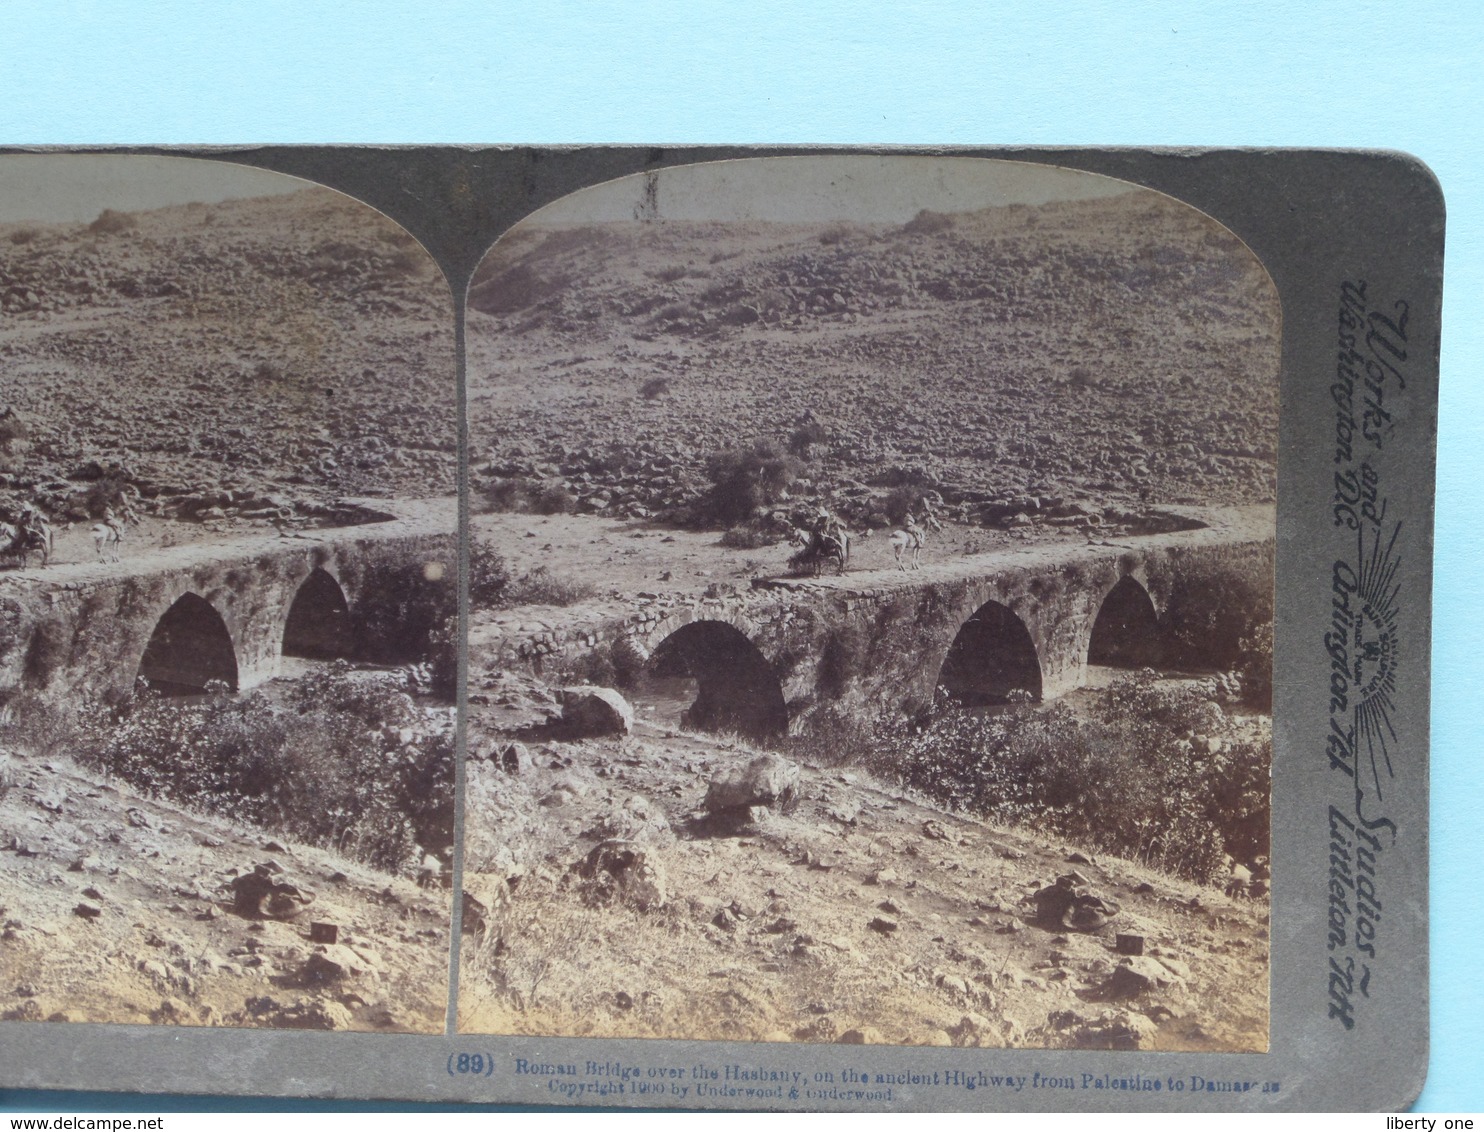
pixel 1358 73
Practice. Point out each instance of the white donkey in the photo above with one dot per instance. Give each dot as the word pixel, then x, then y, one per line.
pixel 908 541
pixel 108 536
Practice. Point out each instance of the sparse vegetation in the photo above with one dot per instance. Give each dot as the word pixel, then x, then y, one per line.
pixel 493 586
pixel 928 223
pixel 489 576
pixel 745 479
pixel 521 494
pixel 110 222
pixel 13 428
pixel 1152 773
pixel 544 586
pixel 748 536
pixel 350 762
pixel 805 437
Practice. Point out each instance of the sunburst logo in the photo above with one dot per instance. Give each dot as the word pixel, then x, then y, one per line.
pixel 1374 648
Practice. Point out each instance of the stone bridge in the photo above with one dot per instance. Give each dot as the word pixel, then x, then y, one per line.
pixel 182 616
pixel 1016 623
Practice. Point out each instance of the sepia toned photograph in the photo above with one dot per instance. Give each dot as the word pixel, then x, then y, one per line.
pixel 228 601
pixel 871 580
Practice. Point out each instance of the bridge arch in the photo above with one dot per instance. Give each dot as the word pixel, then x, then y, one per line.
pixel 991 658
pixel 190 647
pixel 318 625
pixel 1126 633
pixel 737 688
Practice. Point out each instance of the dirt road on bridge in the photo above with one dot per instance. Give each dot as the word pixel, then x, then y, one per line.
pixel 158 544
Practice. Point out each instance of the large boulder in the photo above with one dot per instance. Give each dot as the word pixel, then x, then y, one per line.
pixel 266 893
pixel 1142 974
pixel 767 780
pixel 1071 904
pixel 620 870
pixel 592 712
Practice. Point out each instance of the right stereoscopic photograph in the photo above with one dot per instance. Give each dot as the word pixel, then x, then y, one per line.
pixel 871 582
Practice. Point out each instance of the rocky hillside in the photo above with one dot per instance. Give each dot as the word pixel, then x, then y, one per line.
pixel 613 891
pixel 1122 349
pixel 242 355
pixel 116 907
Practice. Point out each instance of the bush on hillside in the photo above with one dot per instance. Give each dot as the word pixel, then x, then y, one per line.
pixel 351 763
pixel 743 480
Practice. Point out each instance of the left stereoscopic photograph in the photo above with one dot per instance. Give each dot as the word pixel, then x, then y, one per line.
pixel 228 601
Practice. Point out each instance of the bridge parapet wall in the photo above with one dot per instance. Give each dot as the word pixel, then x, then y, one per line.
pixel 882 645
pixel 85 638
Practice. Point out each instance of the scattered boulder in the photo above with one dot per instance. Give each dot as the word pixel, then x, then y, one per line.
pixel 311 1014
pixel 971 1031
pixel 861 1036
pixel 514 759
pixel 620 870
pixel 332 963
pixel 171 1012
pixel 767 780
pixel 28 1011
pixel 266 893
pixel 483 897
pixel 589 713
pixel 1137 975
pixel 1120 1029
pixel 1071 904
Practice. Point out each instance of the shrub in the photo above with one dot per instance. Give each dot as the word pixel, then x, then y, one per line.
pixel 20 236
pixel 35 723
pixel 512 493
pixel 745 479
pixel 928 223
pixel 902 501
pixel 402 606
pixel 1212 614
pixel 350 762
pixel 654 387
pixel 1124 780
pixel 111 223
pixel 517 493
pixel 613 664
pixel 12 429
pixel 443 660
pixel 489 576
pixel 748 536
pixel 1256 667
pixel 543 587
pixel 805 437
pixel 553 499
pixel 835 737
